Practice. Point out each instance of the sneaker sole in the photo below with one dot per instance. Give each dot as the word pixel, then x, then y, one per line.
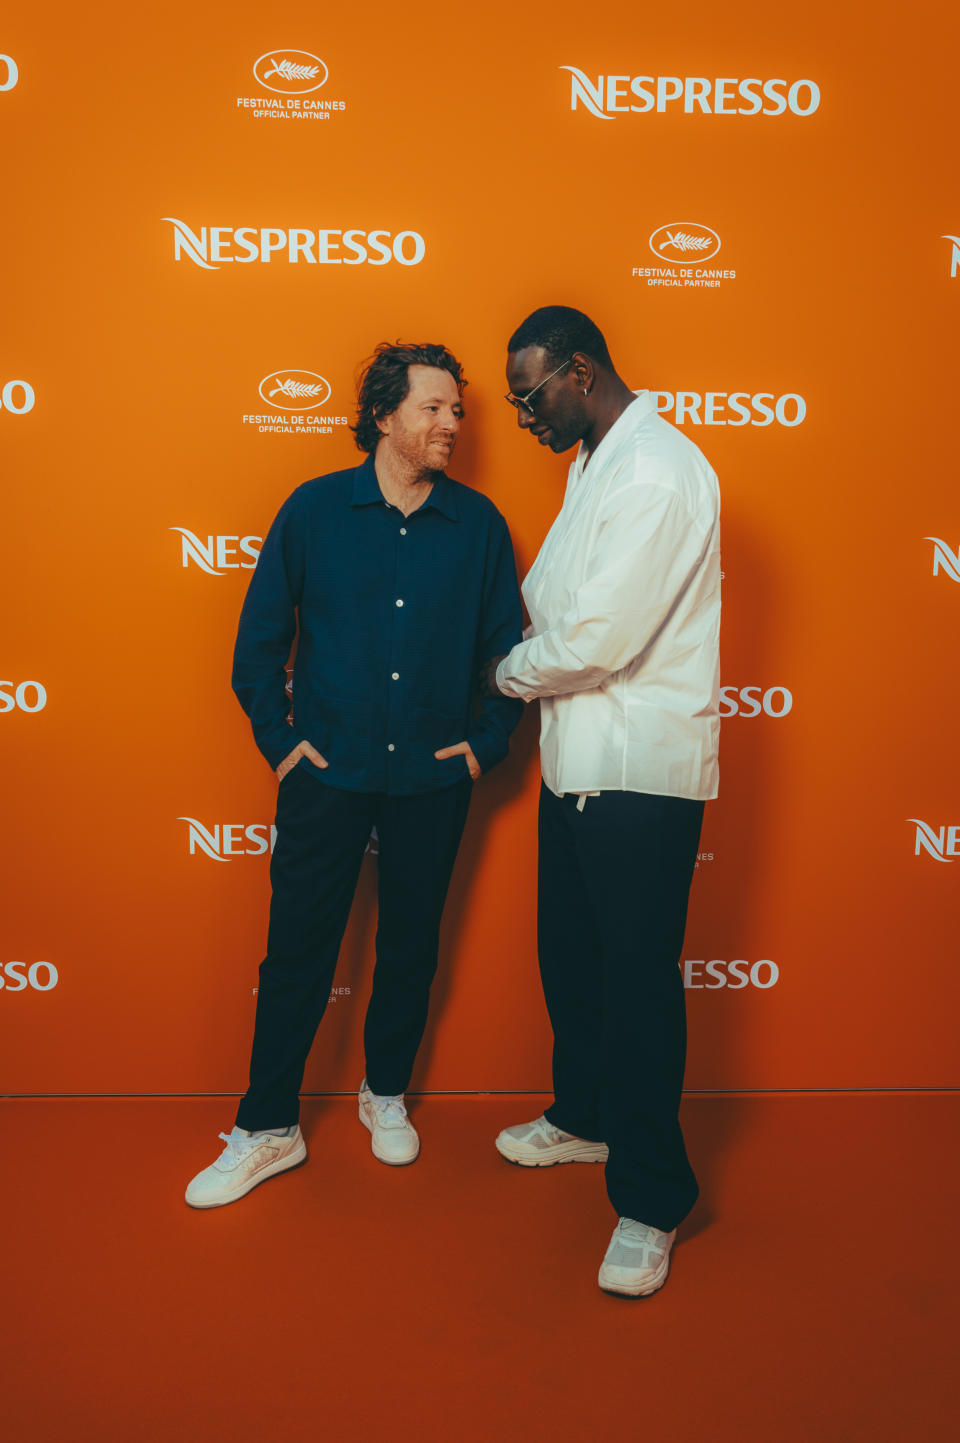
pixel 562 1152
pixel 294 1159
pixel 389 1161
pixel 642 1290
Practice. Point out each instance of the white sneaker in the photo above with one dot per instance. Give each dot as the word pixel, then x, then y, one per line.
pixel 393 1137
pixel 637 1261
pixel 248 1159
pixel 540 1144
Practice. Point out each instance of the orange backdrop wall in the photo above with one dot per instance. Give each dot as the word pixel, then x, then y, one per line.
pixel 205 235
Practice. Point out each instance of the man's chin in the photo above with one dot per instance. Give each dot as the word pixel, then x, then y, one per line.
pixel 560 443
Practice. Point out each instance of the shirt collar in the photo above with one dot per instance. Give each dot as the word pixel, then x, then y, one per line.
pixel 366 491
pixel 636 412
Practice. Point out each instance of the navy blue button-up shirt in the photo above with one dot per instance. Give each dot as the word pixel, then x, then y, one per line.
pixel 396 615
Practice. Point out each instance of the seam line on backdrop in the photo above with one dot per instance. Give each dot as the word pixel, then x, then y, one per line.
pixel 521 1092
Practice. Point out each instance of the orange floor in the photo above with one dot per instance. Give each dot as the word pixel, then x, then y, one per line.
pixel 813 1292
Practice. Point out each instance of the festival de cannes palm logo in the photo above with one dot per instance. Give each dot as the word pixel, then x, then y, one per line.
pixel 684 242
pixel 291 72
pixel 295 390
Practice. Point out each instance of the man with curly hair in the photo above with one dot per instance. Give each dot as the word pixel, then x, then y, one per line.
pixel 399 584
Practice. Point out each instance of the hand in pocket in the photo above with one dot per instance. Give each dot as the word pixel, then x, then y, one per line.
pixel 303 750
pixel 462 749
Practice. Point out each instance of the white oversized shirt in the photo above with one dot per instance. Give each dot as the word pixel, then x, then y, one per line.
pixel 624 604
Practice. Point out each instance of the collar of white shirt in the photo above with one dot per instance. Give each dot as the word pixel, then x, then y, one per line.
pixel 632 415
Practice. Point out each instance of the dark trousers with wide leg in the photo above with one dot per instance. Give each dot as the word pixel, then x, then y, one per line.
pixel 322 834
pixel 614 882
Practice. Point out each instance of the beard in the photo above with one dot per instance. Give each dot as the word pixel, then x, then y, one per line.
pixel 422 454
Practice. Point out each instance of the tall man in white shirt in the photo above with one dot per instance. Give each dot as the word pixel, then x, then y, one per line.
pixel 622 652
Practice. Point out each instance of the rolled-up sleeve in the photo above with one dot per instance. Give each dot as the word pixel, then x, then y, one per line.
pixel 647 549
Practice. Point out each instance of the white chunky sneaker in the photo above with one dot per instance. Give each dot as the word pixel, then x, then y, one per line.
pixel 248 1159
pixel 540 1144
pixel 637 1261
pixel 392 1135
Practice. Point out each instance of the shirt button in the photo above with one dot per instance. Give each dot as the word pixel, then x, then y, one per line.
pixel 395 675
pixel 391 747
pixel 403 531
pixel 399 602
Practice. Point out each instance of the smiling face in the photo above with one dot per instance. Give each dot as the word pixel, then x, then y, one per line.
pixel 559 418
pixel 422 432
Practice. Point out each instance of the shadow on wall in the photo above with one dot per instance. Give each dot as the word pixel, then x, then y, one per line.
pixel 735 847
pixel 338 1044
pixel 512 776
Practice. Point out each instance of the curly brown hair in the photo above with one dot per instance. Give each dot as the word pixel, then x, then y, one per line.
pixel 384 383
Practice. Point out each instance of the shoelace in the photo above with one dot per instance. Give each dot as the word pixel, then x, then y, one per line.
pixel 237 1146
pixel 648 1242
pixel 390 1112
pixel 550 1133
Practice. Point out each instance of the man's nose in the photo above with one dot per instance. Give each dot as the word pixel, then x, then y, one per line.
pixel 525 418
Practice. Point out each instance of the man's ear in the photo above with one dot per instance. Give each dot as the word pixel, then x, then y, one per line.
pixel 584 371
pixel 382 424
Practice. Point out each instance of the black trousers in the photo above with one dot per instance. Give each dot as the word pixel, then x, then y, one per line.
pixel 322 834
pixel 612 908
